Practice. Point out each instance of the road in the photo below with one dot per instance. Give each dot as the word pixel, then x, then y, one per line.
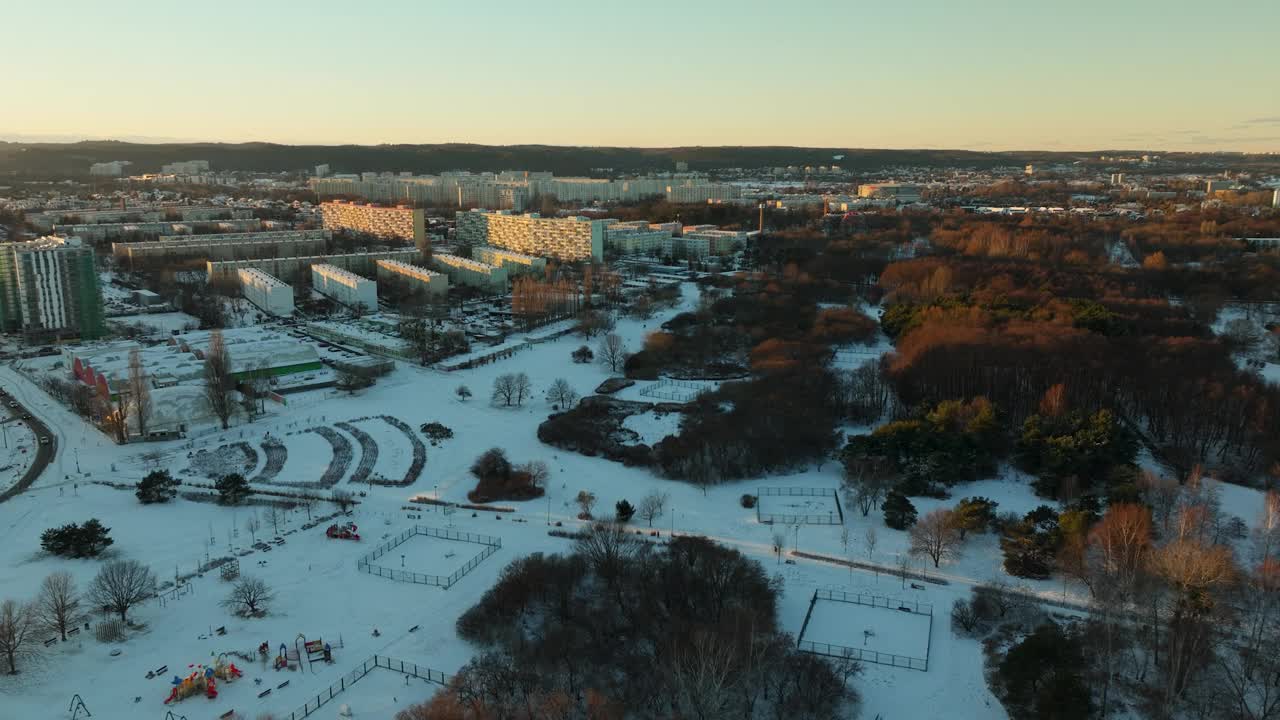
pixel 44 453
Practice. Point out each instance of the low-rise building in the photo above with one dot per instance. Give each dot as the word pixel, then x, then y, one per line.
pixel 464 271
pixel 266 292
pixel 515 263
pixel 412 278
pixel 344 286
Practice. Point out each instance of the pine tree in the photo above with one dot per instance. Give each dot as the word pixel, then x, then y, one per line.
pixel 232 489
pixel 899 513
pixel 624 510
pixel 157 487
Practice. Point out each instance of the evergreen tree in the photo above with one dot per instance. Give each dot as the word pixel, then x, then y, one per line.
pixel 1042 677
pixel 72 540
pixel 899 513
pixel 157 487
pixel 232 489
pixel 624 511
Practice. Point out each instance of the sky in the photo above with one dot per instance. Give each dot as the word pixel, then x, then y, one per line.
pixel 974 74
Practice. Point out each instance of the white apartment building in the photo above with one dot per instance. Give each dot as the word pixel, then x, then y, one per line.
pixel 223 246
pixel 298 268
pixel 717 242
pixel 266 292
pixel 571 239
pixel 515 263
pixel 463 271
pixel 412 277
pixel 115 168
pixel 699 192
pixel 393 223
pixel 628 240
pixel 344 286
pixel 186 167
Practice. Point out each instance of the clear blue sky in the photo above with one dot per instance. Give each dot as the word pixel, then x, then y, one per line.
pixel 982 74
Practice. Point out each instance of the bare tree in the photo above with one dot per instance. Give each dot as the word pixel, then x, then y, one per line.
pixel 58 604
pixel 275 516
pixel 867 481
pixel 586 500
pixel 219 384
pixel 935 536
pixel 139 393
pixel 869 540
pixel 253 524
pixel 522 389
pixel 249 597
pixel 537 470
pixel 561 394
pixel 612 351
pixel 779 544
pixel 704 677
pixel 120 585
pixel 652 506
pixel 504 389
pixel 17 632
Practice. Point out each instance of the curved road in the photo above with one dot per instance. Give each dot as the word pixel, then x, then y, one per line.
pixel 44 453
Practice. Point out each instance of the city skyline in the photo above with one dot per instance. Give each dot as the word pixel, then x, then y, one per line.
pixel 994 76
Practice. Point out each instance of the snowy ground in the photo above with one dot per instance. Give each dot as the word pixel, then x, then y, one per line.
pixel 651 427
pixel 875 629
pixel 16 453
pixel 321 594
pixel 162 323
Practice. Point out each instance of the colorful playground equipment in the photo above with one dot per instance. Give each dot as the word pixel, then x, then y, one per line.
pixel 203 679
pixel 345 531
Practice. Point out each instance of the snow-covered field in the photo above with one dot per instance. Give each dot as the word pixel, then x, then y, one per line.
pixel 157 322
pixel 321 594
pixel 869 627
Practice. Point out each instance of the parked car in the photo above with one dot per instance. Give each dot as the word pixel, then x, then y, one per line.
pixel 44 441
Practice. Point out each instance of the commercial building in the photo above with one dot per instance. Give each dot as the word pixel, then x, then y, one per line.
pixel 344 286
pixel 412 278
pixel 295 269
pixel 462 271
pixel 49 290
pixel 515 263
pixel 267 293
pixel 570 239
pixel 223 246
pixel 897 192
pixel 391 223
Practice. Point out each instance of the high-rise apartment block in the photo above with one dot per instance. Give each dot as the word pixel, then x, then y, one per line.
pixel 463 271
pixel 49 289
pixel 186 167
pixel 344 286
pixel 412 278
pixel 571 239
pixel 267 293
pixel 391 223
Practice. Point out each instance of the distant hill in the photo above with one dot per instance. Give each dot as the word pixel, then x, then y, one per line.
pixel 45 159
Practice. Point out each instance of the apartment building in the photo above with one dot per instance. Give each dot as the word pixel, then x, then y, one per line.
pixel 571 239
pixel 49 290
pixel 515 263
pixel 462 271
pixel 266 292
pixel 108 231
pixel 717 242
pixel 223 246
pixel 390 223
pixel 627 240
pixel 295 269
pixel 412 278
pixel 508 190
pixel 699 192
pixel 344 286
pixel 115 168
pixel 185 167
pixel 46 220
pixel 897 192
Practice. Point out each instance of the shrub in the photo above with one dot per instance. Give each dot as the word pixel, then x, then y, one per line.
pixel 436 432
pixel 582 355
pixel 748 500
pixel 498 480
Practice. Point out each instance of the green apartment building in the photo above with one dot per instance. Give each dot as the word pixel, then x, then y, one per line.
pixel 49 290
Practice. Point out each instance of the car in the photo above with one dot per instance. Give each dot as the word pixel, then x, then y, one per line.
pixel 44 441
pixel 26 416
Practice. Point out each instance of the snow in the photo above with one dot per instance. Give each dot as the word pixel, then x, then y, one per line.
pixel 16 453
pixel 161 323
pixel 321 593
pixel 651 427
pixel 875 629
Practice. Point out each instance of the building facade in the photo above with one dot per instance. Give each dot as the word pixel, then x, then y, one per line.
pixel 295 269
pixel 49 290
pixel 266 292
pixel 897 192
pixel 412 278
pixel 223 246
pixel 462 271
pixel 344 286
pixel 390 223
pixel 571 239
pixel 515 263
